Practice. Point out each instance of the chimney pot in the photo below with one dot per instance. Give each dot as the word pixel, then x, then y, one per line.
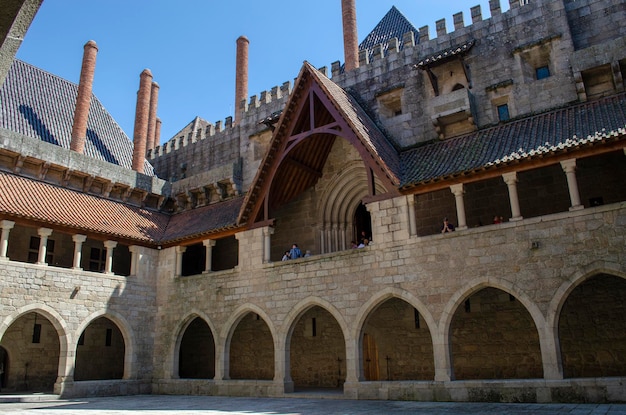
pixel 83 97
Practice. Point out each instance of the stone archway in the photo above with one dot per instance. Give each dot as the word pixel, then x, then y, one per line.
pixel 196 356
pixel 251 349
pixel 100 352
pixel 493 336
pixel 592 328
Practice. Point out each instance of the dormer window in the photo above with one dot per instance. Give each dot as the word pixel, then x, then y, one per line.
pixel 390 102
pixel 535 58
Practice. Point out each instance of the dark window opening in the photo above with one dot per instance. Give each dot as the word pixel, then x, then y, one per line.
pixel 416 316
pixel 596 201
pixel 313 327
pixel 542 72
pixel 503 112
pixel 36 333
pixel 109 334
pixel 194 259
pixel 33 250
pixel 97 259
pixel 81 339
pixel 468 306
pixel 362 224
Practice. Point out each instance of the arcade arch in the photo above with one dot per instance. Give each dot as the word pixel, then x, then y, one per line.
pixel 100 351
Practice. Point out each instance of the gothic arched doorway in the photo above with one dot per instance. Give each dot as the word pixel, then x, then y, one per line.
pixel 362 224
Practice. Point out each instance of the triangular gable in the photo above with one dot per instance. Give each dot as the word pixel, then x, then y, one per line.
pixel 316 113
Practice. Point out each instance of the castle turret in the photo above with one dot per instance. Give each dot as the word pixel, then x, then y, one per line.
pixel 241 76
pixel 350 35
pixel 83 97
pixel 142 112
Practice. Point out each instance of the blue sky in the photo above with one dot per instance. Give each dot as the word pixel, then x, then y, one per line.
pixel 190 46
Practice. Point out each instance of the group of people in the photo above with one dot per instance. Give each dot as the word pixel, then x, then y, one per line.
pixel 364 240
pixel 295 252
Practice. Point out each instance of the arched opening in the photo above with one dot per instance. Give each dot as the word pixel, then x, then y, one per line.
pixel 362 227
pixel 493 336
pixel 317 351
pixel 396 344
pixel 592 328
pixel 100 352
pixel 4 367
pixel 252 349
pixel 33 344
pixel 196 357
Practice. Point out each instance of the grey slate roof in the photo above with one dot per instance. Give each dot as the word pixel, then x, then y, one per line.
pixel 41 105
pixel 394 24
pixel 533 137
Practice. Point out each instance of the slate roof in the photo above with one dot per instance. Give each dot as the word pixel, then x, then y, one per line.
pixel 42 202
pixel 41 105
pixel 548 133
pixel 393 24
pixel 203 220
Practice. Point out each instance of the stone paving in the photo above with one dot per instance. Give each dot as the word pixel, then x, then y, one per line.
pixel 212 405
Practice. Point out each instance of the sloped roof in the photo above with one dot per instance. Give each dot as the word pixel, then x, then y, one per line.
pixel 41 105
pixel 393 24
pixel 317 111
pixel 203 220
pixel 538 136
pixel 45 203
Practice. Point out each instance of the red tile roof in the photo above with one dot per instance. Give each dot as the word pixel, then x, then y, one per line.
pixel 26 198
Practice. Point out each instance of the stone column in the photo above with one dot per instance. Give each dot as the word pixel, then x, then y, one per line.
pixel 511 181
pixel 7 225
pixel 78 244
pixel 335 237
pixel 43 233
pixel 412 221
pixel 323 240
pixel 208 245
pixel 443 361
pixel 108 265
pixel 180 250
pixel 569 167
pixel 134 259
pixel 267 244
pixel 459 191
pixel 550 353
pixel 344 229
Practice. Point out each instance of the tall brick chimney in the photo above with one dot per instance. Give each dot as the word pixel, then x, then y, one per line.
pixel 157 133
pixel 350 35
pixel 142 112
pixel 151 142
pixel 241 77
pixel 83 98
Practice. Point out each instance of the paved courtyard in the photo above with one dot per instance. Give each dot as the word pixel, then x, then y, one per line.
pixel 188 405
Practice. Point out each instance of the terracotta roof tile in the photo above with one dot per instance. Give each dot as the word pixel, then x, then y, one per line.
pixel 535 136
pixel 30 199
pixel 203 220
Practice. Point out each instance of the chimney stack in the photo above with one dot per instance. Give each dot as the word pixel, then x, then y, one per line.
pixel 350 35
pixel 83 98
pixel 142 112
pixel 151 142
pixel 241 76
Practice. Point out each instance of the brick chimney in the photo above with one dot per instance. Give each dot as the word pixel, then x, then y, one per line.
pixel 241 76
pixel 142 112
pixel 152 117
pixel 83 98
pixel 350 35
pixel 157 133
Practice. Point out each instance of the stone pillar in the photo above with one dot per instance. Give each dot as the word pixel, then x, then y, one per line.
pixel 343 236
pixel 323 240
pixel 350 34
pixel 459 191
pixel 180 250
pixel 7 225
pixel 83 97
pixel 142 112
pixel 443 361
pixel 511 181
pixel 78 244
pixel 267 244
pixel 550 353
pixel 134 259
pixel 208 245
pixel 569 167
pixel 43 233
pixel 108 265
pixel 412 220
pixel 335 237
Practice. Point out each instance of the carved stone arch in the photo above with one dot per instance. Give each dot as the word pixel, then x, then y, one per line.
pixel 172 360
pixel 59 324
pixel 130 370
pixel 229 329
pixel 293 317
pixel 365 312
pixel 338 205
pixel 473 287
